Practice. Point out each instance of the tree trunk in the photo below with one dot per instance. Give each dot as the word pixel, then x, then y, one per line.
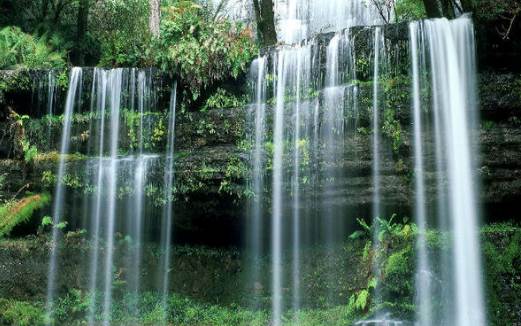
pixel 433 8
pixel 439 8
pixel 265 22
pixel 155 15
pixel 83 19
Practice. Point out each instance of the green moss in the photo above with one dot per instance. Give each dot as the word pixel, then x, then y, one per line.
pixel 16 213
pixel 398 272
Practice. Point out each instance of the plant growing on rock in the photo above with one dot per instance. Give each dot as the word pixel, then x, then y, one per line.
pixel 202 52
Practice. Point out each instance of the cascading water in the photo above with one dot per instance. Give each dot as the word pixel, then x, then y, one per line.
pixel 118 202
pixel 278 152
pixel 73 94
pixel 438 48
pixel 255 230
pixel 378 49
pixel 167 218
pixel 452 69
pixel 293 69
pixel 423 273
pixel 298 20
pixel 114 82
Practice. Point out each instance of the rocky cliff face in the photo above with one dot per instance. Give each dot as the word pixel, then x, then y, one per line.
pixel 212 148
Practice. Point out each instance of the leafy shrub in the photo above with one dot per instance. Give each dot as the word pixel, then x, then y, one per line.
pixel 199 50
pixel 20 50
pixel 20 313
pixel 222 99
pixel 121 27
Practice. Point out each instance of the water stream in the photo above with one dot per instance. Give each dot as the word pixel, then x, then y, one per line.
pixel 116 182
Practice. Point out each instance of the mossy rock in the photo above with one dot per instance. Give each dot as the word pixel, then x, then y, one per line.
pixel 20 212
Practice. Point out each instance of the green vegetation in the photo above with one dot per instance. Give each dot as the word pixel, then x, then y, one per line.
pixel 17 212
pixel 211 272
pixel 20 50
pixel 183 311
pixel 407 10
pixel 223 99
pixel 201 51
pixel 13 312
pixel 121 28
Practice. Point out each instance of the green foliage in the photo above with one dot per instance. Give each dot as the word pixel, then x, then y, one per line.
pixel 407 10
pixel 222 99
pixel 398 271
pixel 20 50
pixel 72 307
pixel 47 224
pixel 48 179
pixel 392 128
pixel 30 151
pixel 359 301
pixel 387 229
pixel 201 51
pixel 21 211
pixel 236 170
pixel 502 252
pixel 121 27
pixel 13 312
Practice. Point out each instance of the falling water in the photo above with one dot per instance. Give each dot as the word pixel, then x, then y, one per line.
pixel 52 89
pixel 376 201
pixel 298 20
pixel 423 273
pixel 278 151
pixel 452 64
pixel 447 49
pixel 115 80
pixel 167 219
pixel 140 176
pixel 332 138
pixel 119 203
pixel 59 193
pixel 256 210
pixel 99 88
pixel 377 48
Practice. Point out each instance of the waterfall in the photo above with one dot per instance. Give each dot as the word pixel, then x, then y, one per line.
pixel 423 273
pixel 451 46
pixel 99 88
pixel 449 49
pixel 167 218
pixel 332 139
pixel 114 82
pixel 73 94
pixel 298 20
pixel 278 151
pixel 52 90
pixel 120 169
pixel 255 228
pixel 378 48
